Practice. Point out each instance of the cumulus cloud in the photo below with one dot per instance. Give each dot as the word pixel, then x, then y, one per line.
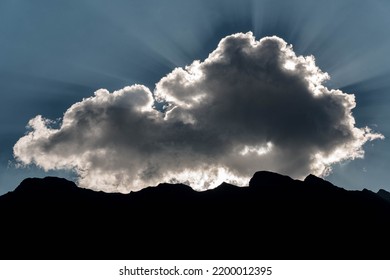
pixel 251 105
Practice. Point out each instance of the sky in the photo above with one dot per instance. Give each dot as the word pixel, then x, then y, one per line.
pixel 118 95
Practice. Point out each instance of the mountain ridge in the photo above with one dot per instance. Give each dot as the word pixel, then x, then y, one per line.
pixel 274 217
pixel 311 179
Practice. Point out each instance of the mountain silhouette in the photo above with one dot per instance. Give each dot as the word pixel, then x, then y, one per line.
pixel 275 217
pixel 384 194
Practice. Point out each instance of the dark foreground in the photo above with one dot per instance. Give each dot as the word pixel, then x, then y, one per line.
pixel 276 217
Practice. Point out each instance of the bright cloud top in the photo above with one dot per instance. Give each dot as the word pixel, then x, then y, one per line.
pixel 251 105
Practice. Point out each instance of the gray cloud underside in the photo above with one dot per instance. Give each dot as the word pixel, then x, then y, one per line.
pixel 251 105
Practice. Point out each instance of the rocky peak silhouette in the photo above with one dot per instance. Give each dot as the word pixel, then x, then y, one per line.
pixel 275 217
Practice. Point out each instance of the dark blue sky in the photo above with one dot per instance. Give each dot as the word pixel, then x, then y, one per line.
pixel 55 53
